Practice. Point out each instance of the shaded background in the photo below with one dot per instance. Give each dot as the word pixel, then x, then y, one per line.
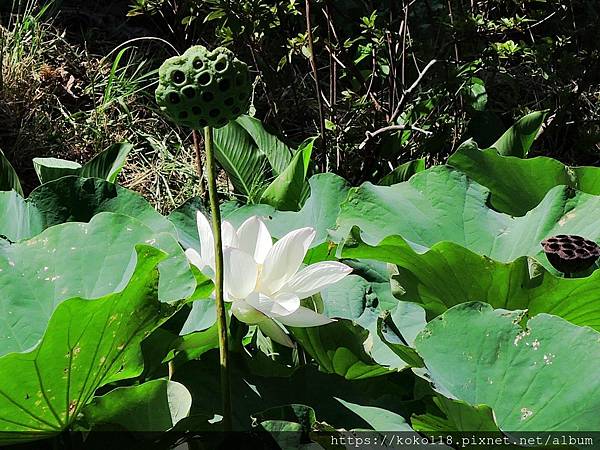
pixel 78 76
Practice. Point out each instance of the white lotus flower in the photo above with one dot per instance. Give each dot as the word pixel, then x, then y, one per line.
pixel 265 281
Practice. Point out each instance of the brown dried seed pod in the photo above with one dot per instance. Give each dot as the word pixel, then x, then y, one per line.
pixel 570 253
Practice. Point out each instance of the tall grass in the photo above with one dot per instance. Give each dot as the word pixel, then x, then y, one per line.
pixel 58 99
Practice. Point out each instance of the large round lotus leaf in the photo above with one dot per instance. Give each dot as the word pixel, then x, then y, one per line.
pixel 543 377
pixel 518 185
pixel 448 274
pixel 204 88
pixel 87 260
pixel 88 343
pixel 441 204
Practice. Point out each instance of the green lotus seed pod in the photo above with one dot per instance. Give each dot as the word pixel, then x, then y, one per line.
pixel 204 88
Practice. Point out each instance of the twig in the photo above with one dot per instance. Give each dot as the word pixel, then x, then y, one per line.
pixel 313 65
pixel 372 134
pixel 406 93
pixel 347 63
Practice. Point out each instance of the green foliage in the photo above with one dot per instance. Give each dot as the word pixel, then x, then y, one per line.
pixel 153 406
pixel 87 344
pixel 107 165
pixel 424 210
pixel 106 326
pixel 285 192
pixel 448 274
pixel 474 352
pixel 517 185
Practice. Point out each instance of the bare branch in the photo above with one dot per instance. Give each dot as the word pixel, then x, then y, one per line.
pixel 409 91
pixel 372 134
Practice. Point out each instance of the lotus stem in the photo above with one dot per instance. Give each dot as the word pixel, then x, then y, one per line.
pixel 211 176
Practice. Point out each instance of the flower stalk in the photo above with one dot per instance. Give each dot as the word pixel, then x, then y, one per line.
pixel 211 177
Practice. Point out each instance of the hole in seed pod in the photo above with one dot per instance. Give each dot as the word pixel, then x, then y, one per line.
pixel 174 98
pixel 214 112
pixel 554 246
pixel 577 238
pixel 589 248
pixel 204 78
pixel 208 96
pixel 202 123
pixel 196 110
pixel 581 252
pixel 568 246
pixel 198 63
pixel 552 240
pixel 189 92
pixel 562 236
pixel 221 65
pixel 224 85
pixel 177 76
pixel 569 253
pixel 183 115
pixel 229 101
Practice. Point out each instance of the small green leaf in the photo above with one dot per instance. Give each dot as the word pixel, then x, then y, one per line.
pixel 517 140
pixel 48 169
pixel 285 192
pixel 107 164
pixel 403 172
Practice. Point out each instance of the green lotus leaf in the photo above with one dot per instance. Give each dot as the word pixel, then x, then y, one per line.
pixel 48 169
pixel 88 343
pixel 363 297
pixel 448 274
pixel 378 418
pixel 319 211
pixel 442 204
pixel 75 199
pixel 106 165
pixel 153 406
pixel 88 260
pixel 338 348
pixel 518 185
pixel 19 219
pixel 460 416
pixel 542 377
